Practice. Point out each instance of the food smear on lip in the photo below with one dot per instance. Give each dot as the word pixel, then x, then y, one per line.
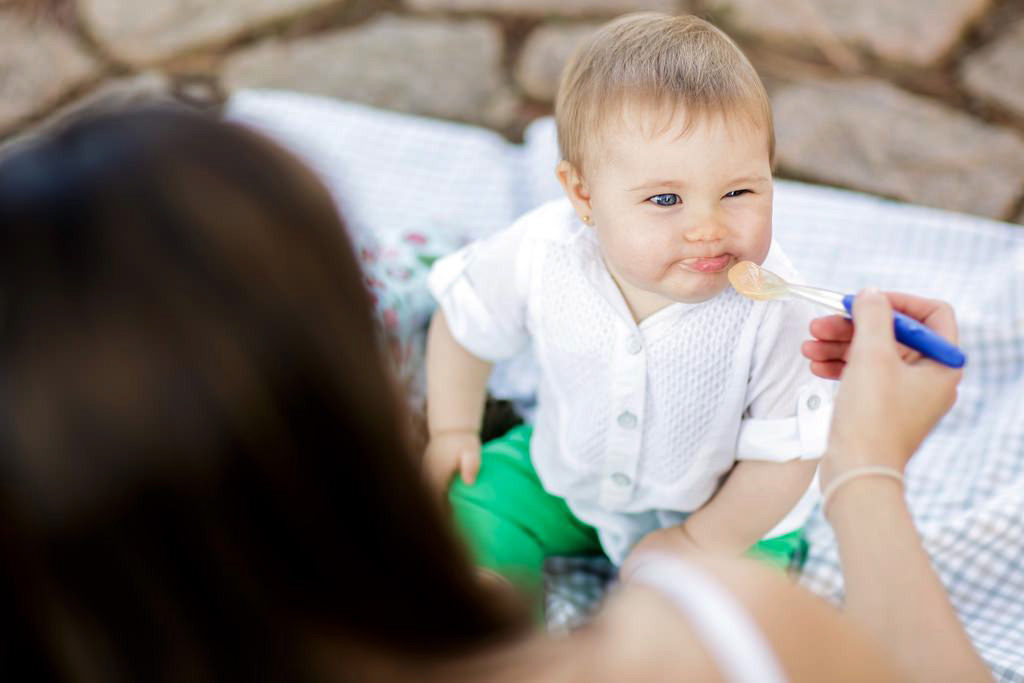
pixel 754 282
pixel 708 265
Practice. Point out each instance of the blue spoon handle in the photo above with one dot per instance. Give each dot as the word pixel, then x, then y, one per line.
pixel 910 332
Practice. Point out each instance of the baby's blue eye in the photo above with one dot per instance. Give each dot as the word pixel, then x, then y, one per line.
pixel 736 193
pixel 665 199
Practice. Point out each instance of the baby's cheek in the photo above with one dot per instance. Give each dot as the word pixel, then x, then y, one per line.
pixel 630 253
pixel 634 268
pixel 761 248
pixel 649 259
pixel 757 240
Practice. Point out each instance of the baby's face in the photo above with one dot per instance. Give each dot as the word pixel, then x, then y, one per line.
pixel 674 212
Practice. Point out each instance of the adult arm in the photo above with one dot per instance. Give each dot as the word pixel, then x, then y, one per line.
pixel 642 634
pixel 887 403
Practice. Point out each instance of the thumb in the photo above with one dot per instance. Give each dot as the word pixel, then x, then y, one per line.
pixel 872 320
pixel 469 466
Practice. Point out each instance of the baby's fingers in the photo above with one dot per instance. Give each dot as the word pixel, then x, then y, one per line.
pixel 832 369
pixel 832 328
pixel 824 351
pixel 469 465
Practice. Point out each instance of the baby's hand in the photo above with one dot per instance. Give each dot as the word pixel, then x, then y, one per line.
pixel 672 540
pixel 448 452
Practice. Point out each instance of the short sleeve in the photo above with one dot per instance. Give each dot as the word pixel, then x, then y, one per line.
pixel 482 290
pixel 789 410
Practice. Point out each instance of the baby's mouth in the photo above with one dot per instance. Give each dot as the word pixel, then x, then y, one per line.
pixel 712 264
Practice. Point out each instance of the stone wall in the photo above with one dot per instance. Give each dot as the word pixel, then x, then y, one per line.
pixel 920 100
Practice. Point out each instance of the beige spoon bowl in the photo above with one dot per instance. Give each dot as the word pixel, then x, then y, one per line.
pixel 754 282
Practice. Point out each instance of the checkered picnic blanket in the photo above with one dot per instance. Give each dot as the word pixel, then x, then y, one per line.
pixel 398 175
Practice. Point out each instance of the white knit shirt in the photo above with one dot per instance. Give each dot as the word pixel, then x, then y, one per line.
pixel 636 425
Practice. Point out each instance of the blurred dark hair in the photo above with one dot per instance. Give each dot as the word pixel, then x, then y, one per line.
pixel 203 459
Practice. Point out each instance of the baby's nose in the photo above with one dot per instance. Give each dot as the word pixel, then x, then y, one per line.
pixel 708 231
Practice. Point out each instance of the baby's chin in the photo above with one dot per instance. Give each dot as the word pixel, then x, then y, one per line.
pixel 706 287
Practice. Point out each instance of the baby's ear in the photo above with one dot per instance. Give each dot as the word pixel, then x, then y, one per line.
pixel 575 187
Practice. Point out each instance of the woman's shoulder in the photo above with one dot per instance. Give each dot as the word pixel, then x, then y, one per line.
pixel 641 636
pixel 715 618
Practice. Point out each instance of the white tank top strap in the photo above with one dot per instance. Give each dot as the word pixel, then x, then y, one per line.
pixel 729 633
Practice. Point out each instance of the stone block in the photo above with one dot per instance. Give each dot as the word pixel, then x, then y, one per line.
pixel 913 32
pixel 146 32
pixel 435 67
pixel 545 8
pixel 996 71
pixel 545 53
pixel 39 64
pixel 869 135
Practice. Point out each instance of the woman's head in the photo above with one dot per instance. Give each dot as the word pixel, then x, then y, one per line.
pixel 201 454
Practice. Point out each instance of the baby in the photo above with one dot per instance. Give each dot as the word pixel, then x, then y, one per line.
pixel 672 413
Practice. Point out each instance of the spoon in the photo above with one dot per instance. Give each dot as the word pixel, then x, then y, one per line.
pixel 754 282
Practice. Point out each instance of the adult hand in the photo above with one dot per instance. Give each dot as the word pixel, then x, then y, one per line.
pixel 887 403
pixel 889 399
pixel 832 334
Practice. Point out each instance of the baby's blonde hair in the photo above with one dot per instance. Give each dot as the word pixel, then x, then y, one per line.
pixel 666 61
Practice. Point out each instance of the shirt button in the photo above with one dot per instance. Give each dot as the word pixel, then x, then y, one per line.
pixel 634 345
pixel 621 479
pixel 813 402
pixel 627 420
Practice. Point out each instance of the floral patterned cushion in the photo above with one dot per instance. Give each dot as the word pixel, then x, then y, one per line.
pixel 396 276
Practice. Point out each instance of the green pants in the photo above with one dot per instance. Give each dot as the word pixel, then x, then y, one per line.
pixel 511 524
